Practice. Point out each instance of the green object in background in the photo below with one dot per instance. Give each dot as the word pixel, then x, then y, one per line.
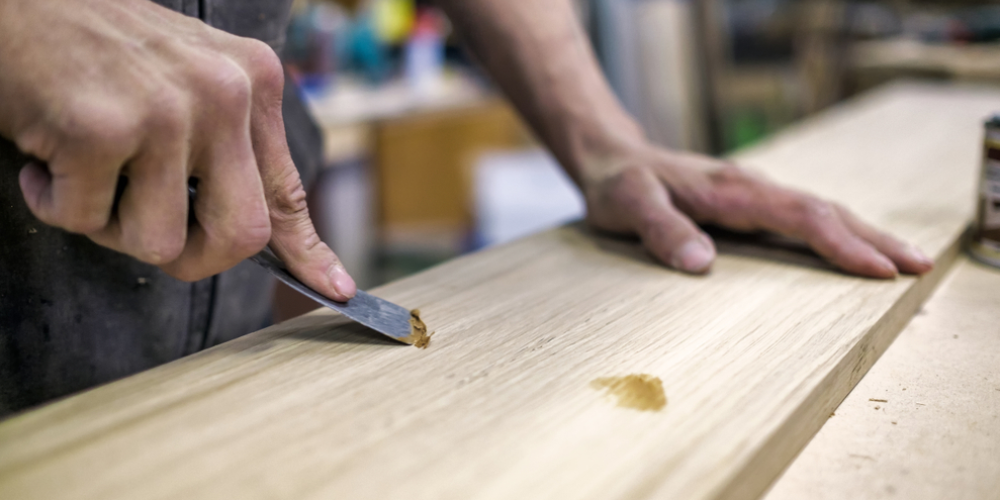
pixel 744 127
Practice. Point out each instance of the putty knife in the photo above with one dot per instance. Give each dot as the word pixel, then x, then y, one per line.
pixel 380 315
pixel 375 313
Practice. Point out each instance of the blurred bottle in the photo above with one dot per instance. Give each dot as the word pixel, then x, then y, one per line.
pixel 316 41
pixel 369 54
pixel 423 62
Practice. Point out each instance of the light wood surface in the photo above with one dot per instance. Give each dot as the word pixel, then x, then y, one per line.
pixel 924 423
pixel 751 359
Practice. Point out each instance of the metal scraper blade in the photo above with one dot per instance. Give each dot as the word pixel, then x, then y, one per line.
pixel 375 313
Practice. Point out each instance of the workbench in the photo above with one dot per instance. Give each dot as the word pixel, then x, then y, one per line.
pixel 924 423
pixel 571 365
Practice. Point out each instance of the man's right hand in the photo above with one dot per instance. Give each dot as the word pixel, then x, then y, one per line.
pixel 95 89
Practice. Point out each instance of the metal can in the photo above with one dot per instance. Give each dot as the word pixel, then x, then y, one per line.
pixel 984 239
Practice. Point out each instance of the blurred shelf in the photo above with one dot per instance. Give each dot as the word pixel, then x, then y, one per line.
pixel 907 56
pixel 349 110
pixel 351 101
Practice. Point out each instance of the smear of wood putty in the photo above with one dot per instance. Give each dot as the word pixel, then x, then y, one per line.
pixel 641 392
pixel 418 331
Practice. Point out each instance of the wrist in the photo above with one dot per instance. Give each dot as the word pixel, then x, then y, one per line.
pixel 598 151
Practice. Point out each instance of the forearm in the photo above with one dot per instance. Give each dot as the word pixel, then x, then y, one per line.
pixel 539 55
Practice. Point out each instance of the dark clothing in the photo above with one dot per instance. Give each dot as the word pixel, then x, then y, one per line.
pixel 74 314
pixel 264 20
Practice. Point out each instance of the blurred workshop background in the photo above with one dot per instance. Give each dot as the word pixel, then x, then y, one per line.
pixel 425 160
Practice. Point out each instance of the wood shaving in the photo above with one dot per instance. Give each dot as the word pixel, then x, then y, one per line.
pixel 418 337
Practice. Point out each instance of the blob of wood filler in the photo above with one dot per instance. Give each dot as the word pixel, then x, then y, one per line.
pixel 418 331
pixel 641 392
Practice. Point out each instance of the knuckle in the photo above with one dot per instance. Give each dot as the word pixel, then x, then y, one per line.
pixel 104 127
pixel 726 191
pixel 817 208
pixel 729 173
pixel 718 193
pixel 251 240
pixel 627 186
pixel 289 197
pixel 632 174
pixel 156 248
pixel 268 73
pixel 168 116
pixel 228 85
pixel 251 236
pixel 814 211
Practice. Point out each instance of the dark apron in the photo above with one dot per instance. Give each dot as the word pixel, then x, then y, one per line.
pixel 74 314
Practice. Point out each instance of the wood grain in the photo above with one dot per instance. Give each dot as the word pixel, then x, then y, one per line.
pixel 924 423
pixel 752 358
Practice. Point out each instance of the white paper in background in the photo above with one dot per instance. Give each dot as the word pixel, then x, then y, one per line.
pixel 518 193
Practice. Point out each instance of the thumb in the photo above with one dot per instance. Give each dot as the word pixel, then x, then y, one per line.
pixel 665 231
pixel 295 241
pixel 676 241
pixel 293 236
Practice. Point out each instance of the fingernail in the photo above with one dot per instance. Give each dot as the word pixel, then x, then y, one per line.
pixel 886 265
pixel 914 253
pixel 695 256
pixel 342 283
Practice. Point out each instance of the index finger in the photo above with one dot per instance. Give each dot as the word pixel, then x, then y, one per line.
pixel 749 203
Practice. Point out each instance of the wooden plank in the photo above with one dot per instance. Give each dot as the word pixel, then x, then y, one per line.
pixel 924 423
pixel 752 358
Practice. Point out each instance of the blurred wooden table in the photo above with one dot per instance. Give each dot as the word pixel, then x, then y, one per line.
pixel 878 61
